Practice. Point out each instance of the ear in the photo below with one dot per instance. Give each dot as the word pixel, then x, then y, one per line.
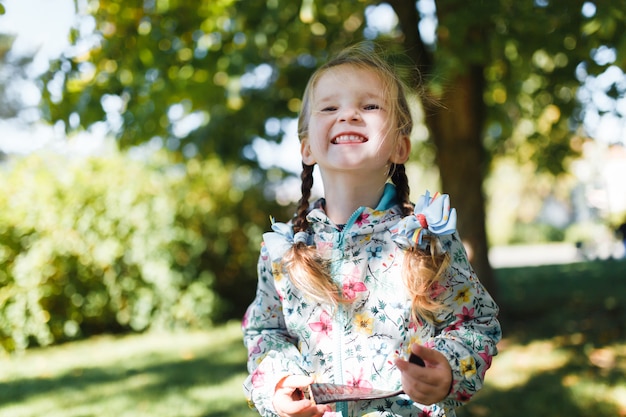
pixel 305 151
pixel 401 151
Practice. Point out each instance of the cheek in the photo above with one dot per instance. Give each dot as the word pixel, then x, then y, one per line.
pixel 318 133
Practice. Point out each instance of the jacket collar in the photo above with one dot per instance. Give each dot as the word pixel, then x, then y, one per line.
pixel 364 220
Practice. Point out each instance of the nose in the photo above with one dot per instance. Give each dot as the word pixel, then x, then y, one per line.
pixel 349 114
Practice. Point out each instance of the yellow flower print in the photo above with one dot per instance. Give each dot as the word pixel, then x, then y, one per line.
pixel 468 367
pixel 415 339
pixel 462 295
pixel 364 323
pixel 277 271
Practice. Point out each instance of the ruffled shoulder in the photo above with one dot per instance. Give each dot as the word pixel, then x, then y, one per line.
pixel 431 216
pixel 282 238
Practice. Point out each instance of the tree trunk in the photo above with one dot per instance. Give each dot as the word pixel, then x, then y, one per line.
pixel 456 122
pixel 457 132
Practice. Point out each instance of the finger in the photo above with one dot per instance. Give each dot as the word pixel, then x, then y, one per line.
pixel 303 408
pixel 321 409
pixel 429 356
pixel 293 407
pixel 296 381
pixel 422 391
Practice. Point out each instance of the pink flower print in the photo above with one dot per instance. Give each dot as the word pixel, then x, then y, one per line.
pixel 389 260
pixel 436 290
pixel 463 396
pixel 351 288
pixel 487 357
pixel 353 285
pixel 363 219
pixel 322 327
pixel 453 327
pixel 256 349
pixel 324 248
pixel 466 315
pixel 359 382
pixel 258 378
pixel 244 321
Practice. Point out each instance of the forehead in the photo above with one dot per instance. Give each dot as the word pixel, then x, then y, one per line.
pixel 345 77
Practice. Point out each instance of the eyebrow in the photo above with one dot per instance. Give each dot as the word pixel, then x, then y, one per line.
pixel 364 96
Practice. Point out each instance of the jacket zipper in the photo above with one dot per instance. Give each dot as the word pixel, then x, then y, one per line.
pixel 342 316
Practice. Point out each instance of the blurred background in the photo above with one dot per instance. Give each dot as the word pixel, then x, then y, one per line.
pixel 145 143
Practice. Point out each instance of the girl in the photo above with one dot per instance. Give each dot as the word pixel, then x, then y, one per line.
pixel 362 279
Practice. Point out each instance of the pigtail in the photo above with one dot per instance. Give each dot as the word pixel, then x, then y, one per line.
pixel 308 271
pixel 400 180
pixel 422 269
pixel 300 223
pixel 421 272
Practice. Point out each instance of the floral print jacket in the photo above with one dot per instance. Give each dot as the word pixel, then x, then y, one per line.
pixel 357 343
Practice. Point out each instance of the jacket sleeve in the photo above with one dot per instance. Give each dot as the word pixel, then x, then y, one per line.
pixel 272 351
pixel 468 329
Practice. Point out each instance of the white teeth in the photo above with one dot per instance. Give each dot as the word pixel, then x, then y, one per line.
pixel 349 139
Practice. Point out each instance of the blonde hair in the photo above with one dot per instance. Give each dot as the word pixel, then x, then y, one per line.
pixel 309 272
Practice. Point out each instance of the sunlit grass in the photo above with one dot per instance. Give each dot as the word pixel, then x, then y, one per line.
pixel 196 374
pixel 516 365
pixel 564 346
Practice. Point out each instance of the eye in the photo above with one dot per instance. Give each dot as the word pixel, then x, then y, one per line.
pixel 329 109
pixel 371 107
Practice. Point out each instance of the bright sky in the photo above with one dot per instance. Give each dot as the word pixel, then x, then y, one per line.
pixel 41 28
pixel 38 24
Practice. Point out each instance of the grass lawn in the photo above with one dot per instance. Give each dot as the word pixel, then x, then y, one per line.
pixel 563 354
pixel 153 375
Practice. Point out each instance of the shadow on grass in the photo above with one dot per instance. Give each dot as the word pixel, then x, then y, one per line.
pixel 194 378
pixel 587 298
pixel 578 309
pixel 232 410
pixel 548 394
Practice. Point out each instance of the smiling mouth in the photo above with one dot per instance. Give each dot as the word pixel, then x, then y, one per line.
pixel 348 139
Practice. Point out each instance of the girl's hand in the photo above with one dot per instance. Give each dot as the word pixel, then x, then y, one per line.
pixel 430 384
pixel 289 400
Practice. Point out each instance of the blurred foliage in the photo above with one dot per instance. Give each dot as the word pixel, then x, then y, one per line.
pixel 148 66
pixel 536 233
pixel 539 54
pixel 160 62
pixel 110 243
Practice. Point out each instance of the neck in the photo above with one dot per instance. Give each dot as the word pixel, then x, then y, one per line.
pixel 346 194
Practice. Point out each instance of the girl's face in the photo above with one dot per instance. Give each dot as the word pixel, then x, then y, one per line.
pixel 350 126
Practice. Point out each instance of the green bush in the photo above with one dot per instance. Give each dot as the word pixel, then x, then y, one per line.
pixel 113 244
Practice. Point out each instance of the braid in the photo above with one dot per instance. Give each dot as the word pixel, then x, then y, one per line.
pixel 307 269
pixel 401 182
pixel 300 224
pixel 421 269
